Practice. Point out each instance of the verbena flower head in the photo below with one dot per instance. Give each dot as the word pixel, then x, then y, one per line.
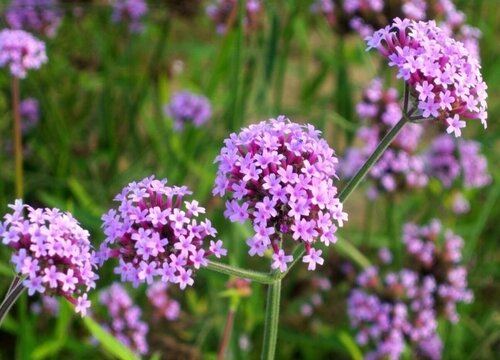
pixel 186 107
pixel 21 51
pixel 164 306
pixel 224 13
pixel 279 176
pixel 51 252
pixel 449 160
pixel 123 319
pixel 131 12
pixel 40 16
pixel 155 233
pixel 30 114
pixel 444 78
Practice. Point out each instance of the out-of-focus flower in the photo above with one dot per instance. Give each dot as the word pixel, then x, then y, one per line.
pixel 164 306
pixel 131 12
pixel 21 51
pixel 30 114
pixel 224 13
pixel 279 175
pixel 444 79
pixel 155 234
pixel 47 305
pixel 123 318
pixel 186 107
pixel 40 16
pixel 51 252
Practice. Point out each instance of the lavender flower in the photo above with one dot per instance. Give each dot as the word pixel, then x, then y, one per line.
pixel 47 305
pixel 155 234
pixel 30 114
pixel 51 252
pixel 21 51
pixel 224 13
pixel 443 77
pixel 41 16
pixel 186 107
pixel 279 175
pixel 123 319
pixel 131 12
pixel 447 160
pixel 164 306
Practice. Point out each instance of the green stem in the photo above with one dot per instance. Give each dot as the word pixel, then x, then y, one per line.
pixel 228 329
pixel 256 276
pixel 10 300
pixel 272 320
pixel 18 144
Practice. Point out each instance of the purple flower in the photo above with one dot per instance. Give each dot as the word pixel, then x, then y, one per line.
pixel 30 114
pixel 131 12
pixel 164 306
pixel 21 51
pixel 224 13
pixel 123 319
pixel 52 251
pixel 41 16
pixel 155 234
pixel 186 107
pixel 447 76
pixel 289 195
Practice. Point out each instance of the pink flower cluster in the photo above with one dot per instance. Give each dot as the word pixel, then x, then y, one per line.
pixel 440 252
pixel 131 12
pixel 51 252
pixel 155 233
pixel 164 306
pixel 187 107
pixel 444 78
pixel 123 318
pixel 279 175
pixel 224 13
pixel 21 51
pixel 41 16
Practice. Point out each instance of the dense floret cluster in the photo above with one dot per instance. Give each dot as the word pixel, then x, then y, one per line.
pixel 279 175
pixel 131 12
pixel 51 252
pixel 156 233
pixel 21 51
pixel 39 16
pixel 443 77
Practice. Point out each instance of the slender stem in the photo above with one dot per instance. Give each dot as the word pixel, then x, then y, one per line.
pixel 10 300
pixel 272 320
pixel 256 276
pixel 18 144
pixel 384 143
pixel 12 285
pixel 228 329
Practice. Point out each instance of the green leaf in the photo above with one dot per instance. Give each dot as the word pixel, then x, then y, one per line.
pixel 350 345
pixel 108 341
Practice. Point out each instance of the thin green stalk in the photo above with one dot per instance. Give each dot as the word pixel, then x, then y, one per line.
pixel 256 276
pixel 272 320
pixel 10 300
pixel 18 144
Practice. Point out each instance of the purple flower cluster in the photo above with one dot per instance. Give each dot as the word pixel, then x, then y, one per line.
pixel 30 114
pixel 399 167
pixel 131 12
pixel 123 319
pixel 443 77
pixel 51 252
pixel 279 175
pixel 155 233
pixel 21 51
pixel 224 13
pixel 40 16
pixel 186 107
pixel 448 160
pixel 440 252
pixel 164 306
pixel 364 16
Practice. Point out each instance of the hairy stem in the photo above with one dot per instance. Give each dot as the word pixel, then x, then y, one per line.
pixel 10 300
pixel 256 276
pixel 272 320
